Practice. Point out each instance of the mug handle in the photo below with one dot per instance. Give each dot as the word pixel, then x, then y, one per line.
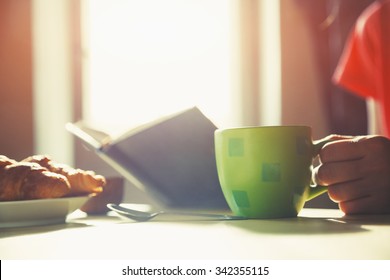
pixel 316 190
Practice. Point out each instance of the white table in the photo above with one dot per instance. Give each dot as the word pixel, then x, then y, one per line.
pixel 316 234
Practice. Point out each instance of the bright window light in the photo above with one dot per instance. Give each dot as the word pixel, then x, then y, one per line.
pixel 148 58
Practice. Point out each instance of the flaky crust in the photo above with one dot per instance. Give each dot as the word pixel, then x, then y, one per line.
pixel 81 181
pixel 39 177
pixel 4 161
pixel 21 181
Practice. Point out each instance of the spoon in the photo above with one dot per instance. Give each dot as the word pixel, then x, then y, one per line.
pixel 142 216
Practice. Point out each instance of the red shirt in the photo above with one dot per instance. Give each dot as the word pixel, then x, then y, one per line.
pixel 364 67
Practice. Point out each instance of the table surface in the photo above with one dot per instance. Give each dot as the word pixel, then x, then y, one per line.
pixel 315 234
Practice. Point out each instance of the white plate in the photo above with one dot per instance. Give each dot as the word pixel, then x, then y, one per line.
pixel 39 211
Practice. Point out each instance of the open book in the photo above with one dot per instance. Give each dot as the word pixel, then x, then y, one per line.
pixel 172 158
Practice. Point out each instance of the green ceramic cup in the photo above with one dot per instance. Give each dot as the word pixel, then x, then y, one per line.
pixel 265 172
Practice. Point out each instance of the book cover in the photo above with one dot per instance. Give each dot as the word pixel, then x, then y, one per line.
pixel 172 158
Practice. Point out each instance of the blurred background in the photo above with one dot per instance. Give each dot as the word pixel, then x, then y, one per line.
pixel 119 63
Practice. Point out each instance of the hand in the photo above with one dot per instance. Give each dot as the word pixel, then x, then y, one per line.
pixel 357 173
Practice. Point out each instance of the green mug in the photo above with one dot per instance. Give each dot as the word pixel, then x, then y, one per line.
pixel 265 172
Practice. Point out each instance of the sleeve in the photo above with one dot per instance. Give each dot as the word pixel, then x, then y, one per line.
pixel 357 66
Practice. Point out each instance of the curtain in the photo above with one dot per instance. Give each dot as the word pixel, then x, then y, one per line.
pixel 330 22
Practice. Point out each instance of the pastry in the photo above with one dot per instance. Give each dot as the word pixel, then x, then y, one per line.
pixel 81 181
pixel 38 177
pixel 21 181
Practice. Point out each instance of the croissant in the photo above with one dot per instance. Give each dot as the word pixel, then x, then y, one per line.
pixel 22 181
pixel 5 161
pixel 81 182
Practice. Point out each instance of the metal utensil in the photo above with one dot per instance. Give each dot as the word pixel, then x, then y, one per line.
pixel 142 216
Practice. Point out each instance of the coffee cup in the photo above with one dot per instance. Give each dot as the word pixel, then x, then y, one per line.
pixel 266 172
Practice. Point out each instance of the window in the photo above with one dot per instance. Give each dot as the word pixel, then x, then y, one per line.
pixel 149 58
pixel 145 58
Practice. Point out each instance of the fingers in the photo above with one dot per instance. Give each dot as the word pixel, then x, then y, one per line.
pixel 352 159
pixel 334 137
pixel 345 148
pixel 357 173
pixel 366 205
pixel 361 197
pixel 358 206
pixel 331 173
pixel 348 191
pixel 342 150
